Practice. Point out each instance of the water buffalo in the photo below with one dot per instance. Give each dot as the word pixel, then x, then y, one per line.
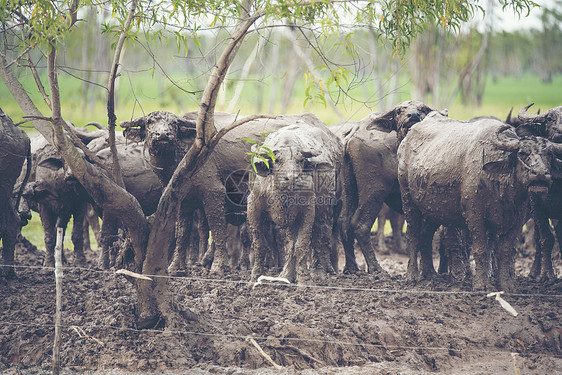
pixel 370 175
pixel 57 195
pixel 548 125
pixel 140 180
pixel 475 175
pixel 298 193
pixel 168 137
pixel 14 150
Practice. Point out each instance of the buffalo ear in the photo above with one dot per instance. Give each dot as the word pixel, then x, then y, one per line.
pixel 135 134
pixel 186 128
pixel 262 169
pixel 382 124
pixel 310 153
pixel 52 164
pixel 499 166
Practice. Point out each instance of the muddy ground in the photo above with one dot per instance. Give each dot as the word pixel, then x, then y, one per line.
pixel 344 324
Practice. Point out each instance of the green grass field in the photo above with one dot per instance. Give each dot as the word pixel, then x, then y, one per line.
pixel 152 94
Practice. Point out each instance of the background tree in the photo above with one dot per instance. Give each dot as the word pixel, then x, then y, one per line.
pixel 43 24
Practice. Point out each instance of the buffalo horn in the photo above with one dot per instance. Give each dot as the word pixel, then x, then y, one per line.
pixel 96 124
pixel 508 119
pixel 524 116
pixel 505 145
pixel 138 122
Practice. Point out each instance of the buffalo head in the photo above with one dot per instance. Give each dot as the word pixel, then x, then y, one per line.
pixel 54 180
pixel 162 131
pixel 531 156
pixel 400 118
pixel 548 124
pixel 291 168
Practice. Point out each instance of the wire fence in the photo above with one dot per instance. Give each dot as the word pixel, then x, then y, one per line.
pixel 296 285
pixel 80 329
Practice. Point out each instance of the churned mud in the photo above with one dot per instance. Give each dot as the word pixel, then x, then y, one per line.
pixel 340 324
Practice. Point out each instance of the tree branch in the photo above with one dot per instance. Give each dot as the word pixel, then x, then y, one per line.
pixel 116 169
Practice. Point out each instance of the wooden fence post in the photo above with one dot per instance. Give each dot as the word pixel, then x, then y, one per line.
pixel 58 287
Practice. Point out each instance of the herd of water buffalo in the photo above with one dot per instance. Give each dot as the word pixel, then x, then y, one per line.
pixel 287 191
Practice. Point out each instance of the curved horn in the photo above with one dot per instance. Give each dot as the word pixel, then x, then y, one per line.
pixel 138 122
pixel 505 145
pixel 524 116
pixel 96 124
pixel 508 119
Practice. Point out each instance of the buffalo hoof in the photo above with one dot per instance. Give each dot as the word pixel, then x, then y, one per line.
pixel 548 276
pixel 289 275
pixel 80 260
pixel 534 274
pixel 176 271
pixel 49 261
pixel 177 268
pixel 8 272
pixel 482 285
pixel 411 277
pixel 348 270
pixel 378 270
pixel 220 268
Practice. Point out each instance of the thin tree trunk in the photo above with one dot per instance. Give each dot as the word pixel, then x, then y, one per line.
pixel 116 169
pixel 58 300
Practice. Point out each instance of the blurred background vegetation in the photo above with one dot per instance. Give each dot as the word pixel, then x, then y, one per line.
pixel 483 70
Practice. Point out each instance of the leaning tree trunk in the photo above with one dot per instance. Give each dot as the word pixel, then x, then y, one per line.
pixel 154 300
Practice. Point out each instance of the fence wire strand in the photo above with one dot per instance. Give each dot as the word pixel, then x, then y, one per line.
pixel 285 339
pixel 293 339
pixel 310 286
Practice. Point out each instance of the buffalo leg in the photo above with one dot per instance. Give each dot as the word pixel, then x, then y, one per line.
pixel 245 261
pixel 107 238
pixel 298 243
pixel 544 242
pixel 216 216
pixel 506 262
pixel 482 258
pixel 397 224
pixel 256 220
pixel 77 235
pixel 322 240
pixel 362 222
pixel 426 250
pixel 9 237
pixel 347 239
pixel 49 222
pixel 184 227
pixel 381 221
pixel 413 236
